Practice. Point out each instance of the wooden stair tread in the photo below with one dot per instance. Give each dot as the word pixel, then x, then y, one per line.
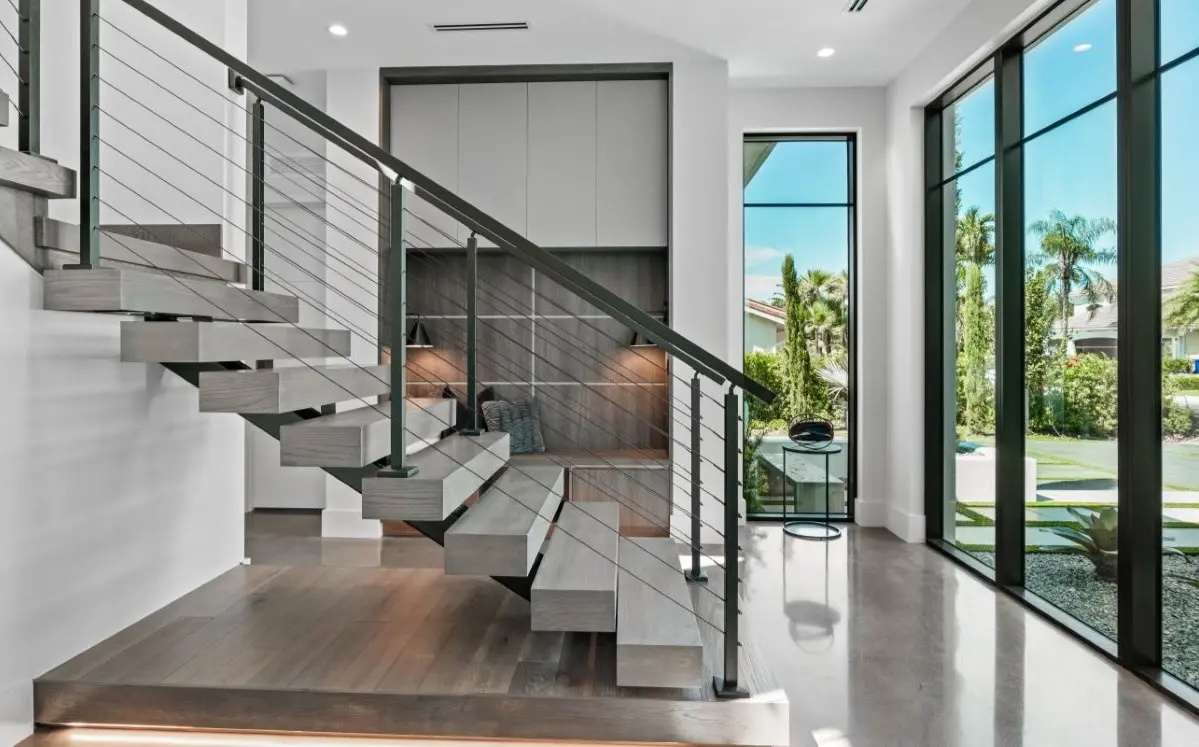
pixel 291 388
pixel 502 533
pixel 575 588
pixel 35 174
pixel 59 241
pixel 358 437
pixel 215 342
pixel 118 289
pixel 450 471
pixel 658 641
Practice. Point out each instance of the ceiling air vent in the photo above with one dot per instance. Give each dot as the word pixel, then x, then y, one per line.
pixel 507 26
pixel 856 6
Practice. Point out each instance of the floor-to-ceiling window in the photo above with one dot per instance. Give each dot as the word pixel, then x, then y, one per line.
pixel 1062 330
pixel 1179 58
pixel 968 187
pixel 799 247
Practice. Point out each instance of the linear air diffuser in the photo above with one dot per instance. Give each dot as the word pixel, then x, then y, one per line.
pixel 507 26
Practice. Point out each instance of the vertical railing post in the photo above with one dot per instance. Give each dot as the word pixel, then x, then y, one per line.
pixel 258 195
pixel 471 427
pixel 258 204
pixel 89 135
pixel 697 572
pixel 396 308
pixel 726 687
pixel 29 92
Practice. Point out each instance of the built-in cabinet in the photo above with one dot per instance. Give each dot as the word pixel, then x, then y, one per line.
pixel 566 163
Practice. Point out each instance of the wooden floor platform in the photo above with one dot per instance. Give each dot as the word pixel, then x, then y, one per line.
pixel 385 651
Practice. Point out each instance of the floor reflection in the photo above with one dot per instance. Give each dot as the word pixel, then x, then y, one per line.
pixel 884 644
pixel 877 643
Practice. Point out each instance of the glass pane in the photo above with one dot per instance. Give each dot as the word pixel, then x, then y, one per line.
pixel 970 128
pixel 1179 28
pixel 1180 332
pixel 799 171
pixel 1070 358
pixel 971 514
pixel 798 345
pixel 1071 67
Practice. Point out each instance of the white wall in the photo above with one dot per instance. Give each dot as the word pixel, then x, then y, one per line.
pixel 296 265
pixel 118 495
pixel 972 35
pixel 353 99
pixel 860 111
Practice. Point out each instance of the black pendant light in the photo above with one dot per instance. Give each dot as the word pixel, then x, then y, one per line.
pixel 418 336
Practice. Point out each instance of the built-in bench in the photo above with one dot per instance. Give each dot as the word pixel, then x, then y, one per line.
pixel 638 480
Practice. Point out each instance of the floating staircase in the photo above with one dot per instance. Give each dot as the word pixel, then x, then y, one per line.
pixel 589 579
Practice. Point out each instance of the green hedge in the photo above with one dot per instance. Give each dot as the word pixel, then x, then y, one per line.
pixel 1186 382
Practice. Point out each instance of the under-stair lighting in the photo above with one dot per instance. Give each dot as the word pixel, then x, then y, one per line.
pixel 338 30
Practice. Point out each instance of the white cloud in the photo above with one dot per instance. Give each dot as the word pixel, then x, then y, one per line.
pixel 759 254
pixel 763 287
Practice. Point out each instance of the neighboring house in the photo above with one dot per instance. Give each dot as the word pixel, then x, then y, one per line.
pixel 1094 330
pixel 765 327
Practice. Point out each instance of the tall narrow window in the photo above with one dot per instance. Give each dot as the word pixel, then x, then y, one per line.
pixel 799 256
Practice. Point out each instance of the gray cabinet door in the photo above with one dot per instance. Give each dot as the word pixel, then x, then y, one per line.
pixel 632 163
pixel 424 123
pixel 562 163
pixel 492 152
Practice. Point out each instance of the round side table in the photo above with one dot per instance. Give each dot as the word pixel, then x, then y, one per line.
pixel 809 530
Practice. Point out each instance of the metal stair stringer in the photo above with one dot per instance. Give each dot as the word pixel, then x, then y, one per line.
pixel 352 477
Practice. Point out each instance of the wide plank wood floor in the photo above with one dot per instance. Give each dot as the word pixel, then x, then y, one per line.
pixel 353 629
pixel 330 639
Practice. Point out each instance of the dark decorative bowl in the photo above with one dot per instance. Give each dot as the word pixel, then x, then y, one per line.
pixel 811 434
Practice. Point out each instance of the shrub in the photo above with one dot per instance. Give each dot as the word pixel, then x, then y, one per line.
pixel 1090 396
pixel 767 370
pixel 1184 382
pixel 1177 419
pixel 1178 365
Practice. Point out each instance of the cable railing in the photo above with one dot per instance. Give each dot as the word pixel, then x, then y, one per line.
pixel 20 71
pixel 320 230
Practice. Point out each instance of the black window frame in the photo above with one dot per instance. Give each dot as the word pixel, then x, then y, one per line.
pixel 851 206
pixel 1137 96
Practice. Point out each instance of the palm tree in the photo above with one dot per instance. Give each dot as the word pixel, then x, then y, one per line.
pixel 1068 249
pixel 974 242
pixel 1181 310
pixel 815 285
pixel 825 324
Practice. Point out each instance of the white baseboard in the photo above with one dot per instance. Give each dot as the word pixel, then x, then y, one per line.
pixel 347 523
pixel 909 527
pixel 867 513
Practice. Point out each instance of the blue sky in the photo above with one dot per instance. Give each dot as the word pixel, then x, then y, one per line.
pixel 1072 168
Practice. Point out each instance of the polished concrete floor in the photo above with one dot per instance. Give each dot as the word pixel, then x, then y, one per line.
pixel 877 643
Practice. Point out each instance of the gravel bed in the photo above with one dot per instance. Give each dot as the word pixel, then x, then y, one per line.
pixel 1069 582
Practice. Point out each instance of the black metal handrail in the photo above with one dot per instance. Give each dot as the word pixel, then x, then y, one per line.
pixel 695 356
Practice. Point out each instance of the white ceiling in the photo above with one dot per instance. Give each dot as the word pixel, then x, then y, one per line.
pixel 775 41
pixel 766 42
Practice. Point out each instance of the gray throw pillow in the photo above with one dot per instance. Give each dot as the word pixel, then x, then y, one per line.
pixel 520 420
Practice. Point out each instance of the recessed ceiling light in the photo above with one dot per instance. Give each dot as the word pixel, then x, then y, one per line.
pixel 338 30
pixel 1084 47
pixel 826 52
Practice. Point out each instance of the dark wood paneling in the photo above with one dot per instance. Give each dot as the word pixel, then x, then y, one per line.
pixel 603 418
pixel 594 350
pixel 641 279
pixel 437 285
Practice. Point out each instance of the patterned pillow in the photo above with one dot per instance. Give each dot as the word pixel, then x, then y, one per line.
pixel 520 420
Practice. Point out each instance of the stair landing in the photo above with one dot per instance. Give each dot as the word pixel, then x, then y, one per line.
pixel 388 651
